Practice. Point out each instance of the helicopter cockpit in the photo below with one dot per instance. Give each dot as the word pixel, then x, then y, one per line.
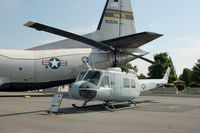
pixel 92 76
pixel 86 84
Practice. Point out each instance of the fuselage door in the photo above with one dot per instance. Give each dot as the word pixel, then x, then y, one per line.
pixel 105 88
pixel 115 85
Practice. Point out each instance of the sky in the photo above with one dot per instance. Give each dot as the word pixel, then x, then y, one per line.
pixel 178 20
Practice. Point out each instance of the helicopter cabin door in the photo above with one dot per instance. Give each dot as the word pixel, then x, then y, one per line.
pixel 115 85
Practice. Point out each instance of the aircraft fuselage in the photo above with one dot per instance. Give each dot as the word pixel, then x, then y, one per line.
pixel 22 70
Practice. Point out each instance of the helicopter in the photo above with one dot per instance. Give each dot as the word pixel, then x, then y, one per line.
pixel 112 85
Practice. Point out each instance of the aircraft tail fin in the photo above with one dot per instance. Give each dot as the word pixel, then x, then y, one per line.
pixel 117 20
pixel 167 73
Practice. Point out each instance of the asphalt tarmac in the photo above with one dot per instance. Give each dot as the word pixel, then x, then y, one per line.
pixel 153 114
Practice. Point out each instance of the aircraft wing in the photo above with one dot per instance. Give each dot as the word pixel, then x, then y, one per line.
pixel 42 27
pixel 130 41
pixel 133 41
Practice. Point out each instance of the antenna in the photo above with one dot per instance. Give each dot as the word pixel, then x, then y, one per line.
pixel 120 19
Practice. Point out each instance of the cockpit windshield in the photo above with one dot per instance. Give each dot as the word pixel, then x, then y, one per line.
pixel 93 77
pixel 81 75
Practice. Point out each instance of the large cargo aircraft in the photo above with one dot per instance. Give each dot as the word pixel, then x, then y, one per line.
pixel 114 43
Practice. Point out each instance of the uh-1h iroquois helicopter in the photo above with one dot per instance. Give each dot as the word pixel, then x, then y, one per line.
pixel 114 43
pixel 112 85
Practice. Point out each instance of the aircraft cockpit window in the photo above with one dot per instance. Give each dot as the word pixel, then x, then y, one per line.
pixel 132 83
pixel 105 82
pixel 81 75
pixel 93 77
pixel 126 83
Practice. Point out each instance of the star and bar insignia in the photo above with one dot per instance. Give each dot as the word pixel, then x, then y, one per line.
pixel 54 63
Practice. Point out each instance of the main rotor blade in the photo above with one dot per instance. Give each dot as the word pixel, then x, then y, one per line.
pixel 140 57
pixel 42 27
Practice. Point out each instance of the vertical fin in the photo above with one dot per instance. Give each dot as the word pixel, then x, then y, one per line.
pixel 167 73
pixel 117 19
pixel 102 16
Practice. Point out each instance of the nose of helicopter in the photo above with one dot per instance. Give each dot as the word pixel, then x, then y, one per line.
pixel 88 94
pixel 84 90
pixel 88 90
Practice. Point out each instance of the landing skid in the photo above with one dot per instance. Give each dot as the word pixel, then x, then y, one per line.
pixel 84 106
pixel 132 103
pixel 78 107
pixel 109 106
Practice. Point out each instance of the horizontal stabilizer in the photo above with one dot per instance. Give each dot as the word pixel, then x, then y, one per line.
pixel 42 27
pixel 133 41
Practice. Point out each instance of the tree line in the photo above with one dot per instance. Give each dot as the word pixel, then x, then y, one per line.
pixel 163 61
pixel 191 77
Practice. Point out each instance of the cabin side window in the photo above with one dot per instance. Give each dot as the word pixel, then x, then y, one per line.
pixel 133 83
pixel 126 83
pixel 105 82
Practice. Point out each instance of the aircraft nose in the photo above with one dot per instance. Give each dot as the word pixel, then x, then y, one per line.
pixel 87 91
pixel 88 94
pixel 83 90
pixel 86 85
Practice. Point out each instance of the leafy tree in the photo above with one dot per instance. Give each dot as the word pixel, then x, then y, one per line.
pixel 162 62
pixel 129 66
pixel 186 76
pixel 142 76
pixel 196 72
pixel 192 77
